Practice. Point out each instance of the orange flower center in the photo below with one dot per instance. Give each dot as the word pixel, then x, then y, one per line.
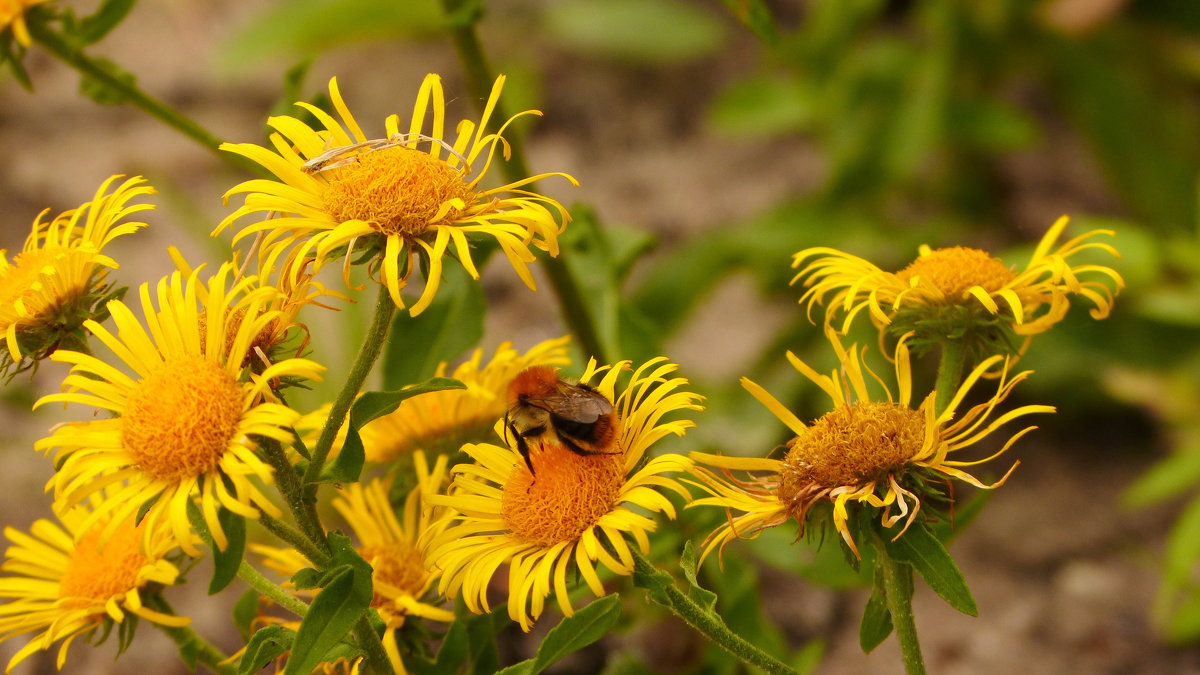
pixel 96 573
pixel 179 420
pixel 398 190
pixel 954 271
pixel 568 494
pixel 851 445
pixel 398 565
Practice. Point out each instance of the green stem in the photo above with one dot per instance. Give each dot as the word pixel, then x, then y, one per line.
pixel 185 637
pixel 949 374
pixel 271 590
pixel 707 623
pixel 898 592
pixel 377 656
pixel 372 345
pixel 479 82
pixel 310 541
pixel 73 55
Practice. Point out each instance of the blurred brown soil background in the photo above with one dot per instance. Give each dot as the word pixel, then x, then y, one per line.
pixel 1064 577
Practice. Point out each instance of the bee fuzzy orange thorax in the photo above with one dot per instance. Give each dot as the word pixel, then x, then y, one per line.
pixel 544 408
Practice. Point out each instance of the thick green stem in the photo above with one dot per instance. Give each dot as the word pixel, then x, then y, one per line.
pixel 377 656
pixel 73 56
pixel 898 591
pixel 271 590
pixel 949 374
pixel 480 79
pixel 708 624
pixel 188 639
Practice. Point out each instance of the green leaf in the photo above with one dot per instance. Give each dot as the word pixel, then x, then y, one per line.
pixel 688 564
pixel 763 105
pixel 919 548
pixel 101 92
pixel 876 623
pixel 265 645
pixel 1172 476
pixel 145 508
pixel 1183 548
pixel 636 31
pixel 297 28
pixel 755 15
pixel 245 610
pixel 226 563
pixel 451 325
pixel 345 598
pixel 572 634
pixel 93 28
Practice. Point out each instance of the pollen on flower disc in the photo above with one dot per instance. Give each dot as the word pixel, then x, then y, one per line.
pixel 851 445
pixel 179 420
pixel 96 572
pixel 397 189
pixel 956 270
pixel 566 496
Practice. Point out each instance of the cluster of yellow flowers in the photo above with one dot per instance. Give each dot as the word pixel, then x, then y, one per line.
pixel 199 427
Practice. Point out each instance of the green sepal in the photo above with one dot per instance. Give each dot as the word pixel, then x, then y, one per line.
pixel 226 563
pixel 920 549
pixel 344 597
pixel 451 325
pixel 265 645
pixel 571 634
pixel 346 467
pixel 145 508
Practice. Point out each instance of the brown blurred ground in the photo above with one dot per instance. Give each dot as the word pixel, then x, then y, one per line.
pixel 1062 575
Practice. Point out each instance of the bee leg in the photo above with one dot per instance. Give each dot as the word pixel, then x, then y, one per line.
pixel 523 445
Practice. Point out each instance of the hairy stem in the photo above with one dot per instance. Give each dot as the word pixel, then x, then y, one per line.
pixel 898 591
pixel 949 373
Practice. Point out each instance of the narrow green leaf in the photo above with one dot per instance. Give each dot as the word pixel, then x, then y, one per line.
pixel 919 548
pixel 1183 548
pixel 101 92
pixel 572 634
pixel 1172 476
pixel 265 645
pixel 755 15
pixel 93 28
pixel 245 610
pixel 226 563
pixel 145 508
pixel 667 31
pixel 876 623
pixel 330 617
pixel 348 463
pixel 688 563
pixel 449 327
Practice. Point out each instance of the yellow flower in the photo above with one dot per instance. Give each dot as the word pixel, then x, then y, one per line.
pixel 12 13
pixel 55 282
pixel 957 284
pixel 402 576
pixel 187 416
pixel 444 420
pixel 880 453
pixel 573 511
pixel 286 333
pixel 341 190
pixel 63 582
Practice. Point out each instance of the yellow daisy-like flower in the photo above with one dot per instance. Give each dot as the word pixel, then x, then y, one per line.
pixel 880 453
pixel 64 580
pixel 341 190
pixel 286 333
pixel 54 283
pixel 572 510
pixel 187 415
pixel 442 421
pixel 402 575
pixel 12 14
pixel 962 279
